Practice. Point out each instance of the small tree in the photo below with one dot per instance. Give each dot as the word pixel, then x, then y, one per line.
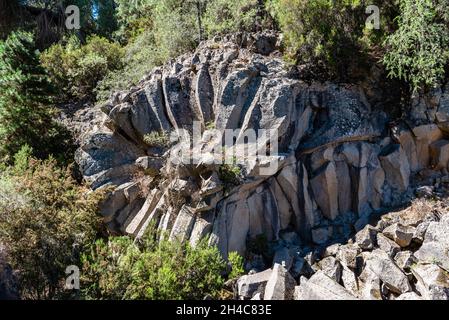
pixel 26 115
pixel 418 51
pixel 46 219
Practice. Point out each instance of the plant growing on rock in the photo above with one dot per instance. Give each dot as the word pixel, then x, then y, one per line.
pixel 157 139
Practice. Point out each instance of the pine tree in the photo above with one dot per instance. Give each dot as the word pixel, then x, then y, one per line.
pixel 26 115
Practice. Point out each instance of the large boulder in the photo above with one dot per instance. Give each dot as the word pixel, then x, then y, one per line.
pixel 247 285
pixel 381 264
pixel 321 287
pixel 433 282
pixel 400 234
pixel 436 243
pixel 281 284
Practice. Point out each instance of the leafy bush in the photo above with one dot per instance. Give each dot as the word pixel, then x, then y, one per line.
pixel 236 262
pixel 46 219
pixel 418 51
pixel 122 269
pixel 26 114
pixel 167 29
pixel 140 58
pixel 157 139
pixel 325 34
pixel 134 17
pixel 224 16
pixel 76 69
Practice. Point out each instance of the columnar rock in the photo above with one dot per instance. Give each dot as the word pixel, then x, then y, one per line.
pixel 439 154
pixel 425 136
pixel 325 190
pixel 396 166
pixel 336 161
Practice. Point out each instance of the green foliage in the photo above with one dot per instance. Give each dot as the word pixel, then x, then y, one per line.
pixel 106 22
pixel 175 27
pixel 230 174
pixel 46 218
pixel 76 69
pixel 25 96
pixel 22 159
pixel 134 17
pixel 320 32
pixel 123 269
pixel 417 51
pixel 140 57
pixel 236 262
pixel 224 16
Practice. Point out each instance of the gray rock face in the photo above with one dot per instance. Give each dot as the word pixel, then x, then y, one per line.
pixel 336 163
pixel 396 166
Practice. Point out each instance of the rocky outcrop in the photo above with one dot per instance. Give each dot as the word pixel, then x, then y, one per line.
pixel 365 269
pixel 339 158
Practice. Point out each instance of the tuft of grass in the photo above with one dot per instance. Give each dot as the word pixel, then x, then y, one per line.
pixel 157 139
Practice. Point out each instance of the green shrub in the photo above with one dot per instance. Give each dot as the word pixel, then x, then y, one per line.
pixel 26 113
pixel 46 219
pixel 224 16
pixel 157 139
pixel 76 69
pixel 175 27
pixel 418 51
pixel 134 17
pixel 236 262
pixel 140 57
pixel 123 269
pixel 326 34
pixel 167 29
